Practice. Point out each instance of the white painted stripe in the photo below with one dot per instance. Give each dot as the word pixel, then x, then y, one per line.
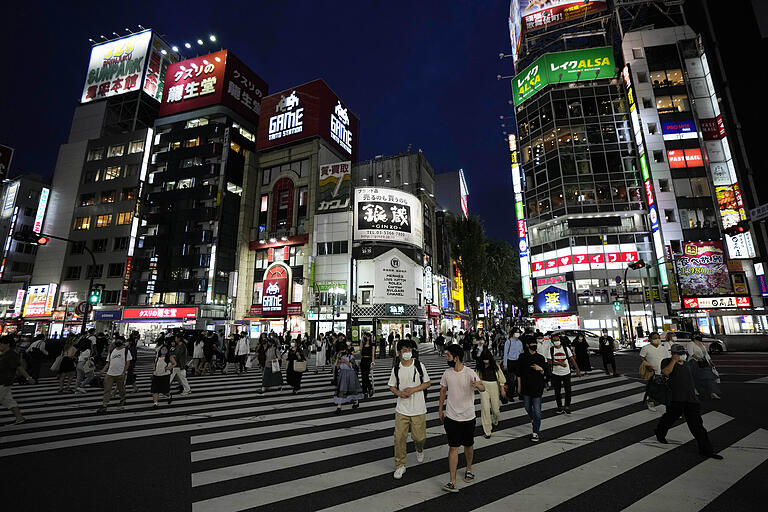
pixel 709 479
pixel 394 499
pixel 565 486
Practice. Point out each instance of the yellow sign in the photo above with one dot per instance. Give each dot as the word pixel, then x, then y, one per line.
pixel 458 289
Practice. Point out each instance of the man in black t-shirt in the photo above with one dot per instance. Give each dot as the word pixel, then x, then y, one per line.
pixel 606 351
pixel 530 382
pixel 683 402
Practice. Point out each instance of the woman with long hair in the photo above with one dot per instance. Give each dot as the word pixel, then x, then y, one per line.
pixel 161 375
pixel 493 380
pixel 581 349
pixel 67 366
pixel 367 361
pixel 272 377
pixel 348 389
pixel 292 375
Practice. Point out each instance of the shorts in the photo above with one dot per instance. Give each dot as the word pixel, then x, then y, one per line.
pixel 6 398
pixel 460 433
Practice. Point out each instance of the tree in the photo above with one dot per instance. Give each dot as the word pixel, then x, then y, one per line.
pixel 468 248
pixel 502 277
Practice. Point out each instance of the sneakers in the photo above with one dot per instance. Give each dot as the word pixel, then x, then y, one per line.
pixel 399 472
pixel 419 457
pixel 80 391
pixel 651 405
pixel 715 396
pixel 21 420
pixel 535 437
pixel 560 410
pixel 567 410
pixel 186 393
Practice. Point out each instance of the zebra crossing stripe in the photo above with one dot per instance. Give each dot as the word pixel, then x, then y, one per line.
pixel 710 478
pixel 556 490
pixel 273 493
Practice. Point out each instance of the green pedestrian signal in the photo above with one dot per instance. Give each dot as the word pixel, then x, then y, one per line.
pixel 617 306
pixel 95 296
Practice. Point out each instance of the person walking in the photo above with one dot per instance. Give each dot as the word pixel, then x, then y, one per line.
pixel 297 365
pixel 513 347
pixel 490 400
pixel 348 389
pixel 530 382
pixel 653 354
pixel 35 353
pixel 581 349
pixel 457 413
pixel 408 381
pixel 703 369
pixel 606 351
pixel 320 352
pixel 542 347
pixel 242 349
pixel 367 362
pixel 85 366
pixel 165 362
pixel 66 372
pixel 683 402
pixel 179 371
pixel 10 366
pixel 198 355
pixel 559 357
pixel 118 361
pixel 272 377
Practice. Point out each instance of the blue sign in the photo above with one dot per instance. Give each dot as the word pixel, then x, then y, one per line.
pixel 653 214
pixel 678 127
pixel 108 314
pixel 553 299
pixel 444 295
pixel 763 285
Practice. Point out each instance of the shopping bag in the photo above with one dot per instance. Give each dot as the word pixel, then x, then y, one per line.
pixel 57 363
pixel 275 367
pixel 300 366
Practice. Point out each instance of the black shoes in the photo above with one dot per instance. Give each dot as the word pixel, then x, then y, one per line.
pixel 715 456
pixel 660 438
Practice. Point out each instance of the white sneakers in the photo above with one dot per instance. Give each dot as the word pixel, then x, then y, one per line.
pixel 399 472
pixel 419 456
pixel 651 405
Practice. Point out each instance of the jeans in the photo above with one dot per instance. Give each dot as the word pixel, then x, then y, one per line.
pixel 532 406
pixel 83 378
pixel 182 376
pixel 559 381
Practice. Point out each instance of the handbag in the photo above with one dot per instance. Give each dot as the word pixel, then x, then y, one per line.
pixel 89 365
pixel 300 366
pixel 57 363
pixel 275 367
pixel 658 389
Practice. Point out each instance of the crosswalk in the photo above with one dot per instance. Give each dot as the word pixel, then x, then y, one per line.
pixel 280 451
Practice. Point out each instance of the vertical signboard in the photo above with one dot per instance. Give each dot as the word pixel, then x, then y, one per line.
pixel 276 290
pixel 334 187
pixel 518 182
pixel 42 204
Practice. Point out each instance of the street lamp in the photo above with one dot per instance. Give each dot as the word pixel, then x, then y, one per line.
pixel 633 266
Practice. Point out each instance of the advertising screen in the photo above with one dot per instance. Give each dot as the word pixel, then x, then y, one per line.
pixel 218 78
pixel 334 188
pixel 305 111
pixel 40 300
pixel 539 14
pixel 554 298
pixel 563 67
pixel 116 67
pixel 388 215
pixel 702 270
pixel 515 28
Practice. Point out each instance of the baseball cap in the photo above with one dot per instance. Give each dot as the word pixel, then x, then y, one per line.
pixel 678 349
pixel 698 336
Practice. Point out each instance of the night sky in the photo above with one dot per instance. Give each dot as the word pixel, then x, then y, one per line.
pixel 420 73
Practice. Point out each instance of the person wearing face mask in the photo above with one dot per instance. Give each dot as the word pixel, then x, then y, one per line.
pixel 292 374
pixel 530 382
pixel 513 347
pixel 493 381
pixel 542 347
pixel 653 354
pixel 581 348
pixel 116 367
pixel 607 342
pixel 348 389
pixel 272 377
pixel 559 357
pixel 367 362
pixel 683 402
pixel 408 381
pixel 242 348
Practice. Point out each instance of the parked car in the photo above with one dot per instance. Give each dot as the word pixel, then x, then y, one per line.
pixel 592 338
pixel 713 345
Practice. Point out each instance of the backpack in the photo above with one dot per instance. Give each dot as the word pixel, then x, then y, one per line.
pixel 418 368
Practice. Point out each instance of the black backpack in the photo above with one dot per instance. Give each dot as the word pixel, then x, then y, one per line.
pixel 418 368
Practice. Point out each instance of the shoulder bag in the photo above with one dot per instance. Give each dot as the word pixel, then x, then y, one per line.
pixel 299 366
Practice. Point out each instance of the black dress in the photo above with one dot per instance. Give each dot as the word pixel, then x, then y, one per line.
pixel 581 347
pixel 366 358
pixel 293 377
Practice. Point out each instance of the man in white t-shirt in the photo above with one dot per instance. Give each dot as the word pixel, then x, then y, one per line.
pixel 118 362
pixel 558 359
pixel 408 381
pixel 459 384
pixel 653 354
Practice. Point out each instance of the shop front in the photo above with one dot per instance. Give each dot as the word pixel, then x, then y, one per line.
pixel 274 312
pixel 39 309
pixel 397 319
pixel 150 322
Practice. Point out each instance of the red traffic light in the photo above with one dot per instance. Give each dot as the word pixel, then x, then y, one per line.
pixel 737 229
pixel 42 240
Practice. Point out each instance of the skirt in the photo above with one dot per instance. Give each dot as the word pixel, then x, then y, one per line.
pixel 161 384
pixel 348 389
pixel 270 379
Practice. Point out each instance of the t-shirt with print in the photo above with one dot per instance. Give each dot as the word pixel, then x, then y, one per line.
pixel 460 405
pixel 117 359
pixel 560 355
pixel 414 405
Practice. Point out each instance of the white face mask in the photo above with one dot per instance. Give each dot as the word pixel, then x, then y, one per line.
pixel 515 335
pixel 557 343
pixel 406 356
pixel 683 357
pixel 293 345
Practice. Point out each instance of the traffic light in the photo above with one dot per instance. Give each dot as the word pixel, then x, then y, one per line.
pixel 31 237
pixel 737 229
pixel 616 305
pixel 94 296
pixel 637 265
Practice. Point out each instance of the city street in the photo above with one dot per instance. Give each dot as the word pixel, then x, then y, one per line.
pixel 226 448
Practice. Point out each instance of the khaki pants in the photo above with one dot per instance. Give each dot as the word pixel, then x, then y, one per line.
pixel 489 405
pixel 119 380
pixel 418 428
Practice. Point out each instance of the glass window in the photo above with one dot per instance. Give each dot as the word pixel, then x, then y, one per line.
pixel 99 245
pixel 619 192
pixel 72 272
pixel 128 193
pixel 266 176
pixel 604 106
pixel 116 150
pixel 124 218
pixel 652 129
pixel 87 199
pixel 174 145
pixel 191 143
pixel 77 248
pixel 95 154
pixel 115 270
pixel 664 104
pixel 663 185
pixel 82 223
pixel 120 244
pixel 683 187
pixel 108 196
pixel 103 221
pixel 659 78
pixel 234 146
pixel 647 103
pixel 700 187
pixel 131 170
pixel 574 109
pixel 658 156
pixel 94 271
pixel 136 146
pixel 675 77
pixel 681 103
pixel 303 198
pixel 194 123
pixel 90 177
pixel 111 173
pixel 669 215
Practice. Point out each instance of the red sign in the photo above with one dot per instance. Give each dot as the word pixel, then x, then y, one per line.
pixel 693 158
pixel 580 259
pixel 255 310
pixel 597 258
pixel 550 280
pixel 649 191
pixel 538 266
pixel 275 291
pixel 712 128
pixel 126 280
pixel 159 313
pixel 564 261
pixel 629 257
pixel 521 228
pixel 294 308
pixel 613 257
pixel 676 158
pixel 307 111
pixel 551 264
pixel 218 78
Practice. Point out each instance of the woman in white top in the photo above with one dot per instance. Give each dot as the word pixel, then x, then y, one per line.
pixel 320 352
pixel 85 368
pixel 701 365
pixel 198 357
pixel 242 349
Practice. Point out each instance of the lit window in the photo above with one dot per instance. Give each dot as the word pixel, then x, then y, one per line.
pixel 87 199
pixel 116 150
pixel 111 173
pixel 103 221
pixel 234 146
pixel 128 193
pixel 82 223
pixel 136 146
pixel 108 196
pixel 174 145
pixel 95 154
pixel 191 143
pixel 124 218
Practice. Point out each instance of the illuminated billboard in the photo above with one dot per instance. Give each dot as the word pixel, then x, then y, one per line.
pixel 116 67
pixel 554 298
pixel 541 14
pixel 40 300
pixel 702 270
pixel 334 187
pixel 387 214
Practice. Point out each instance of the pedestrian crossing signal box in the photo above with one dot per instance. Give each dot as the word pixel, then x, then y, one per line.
pixel 95 296
pixel 617 306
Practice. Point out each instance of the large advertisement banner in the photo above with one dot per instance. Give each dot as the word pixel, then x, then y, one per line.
pixel 116 67
pixel 702 270
pixel 562 67
pixel 541 14
pixel 388 215
pixel 554 298
pixel 395 279
pixel 276 290
pixel 334 188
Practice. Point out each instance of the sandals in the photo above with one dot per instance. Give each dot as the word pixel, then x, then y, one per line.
pixel 469 476
pixel 450 487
